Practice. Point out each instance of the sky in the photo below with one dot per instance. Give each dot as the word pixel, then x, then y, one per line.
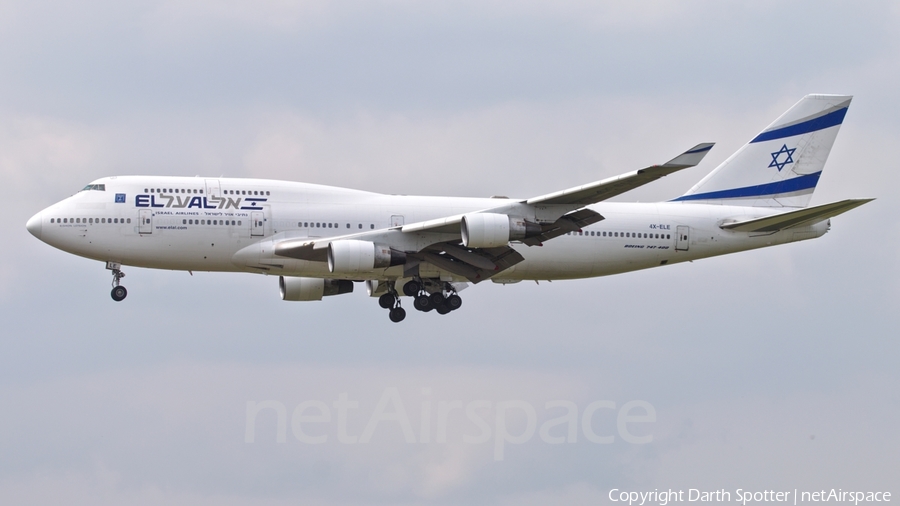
pixel 773 369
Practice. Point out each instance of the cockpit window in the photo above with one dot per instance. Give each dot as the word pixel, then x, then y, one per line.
pixel 97 187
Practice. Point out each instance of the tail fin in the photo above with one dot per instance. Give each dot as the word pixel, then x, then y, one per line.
pixel 781 166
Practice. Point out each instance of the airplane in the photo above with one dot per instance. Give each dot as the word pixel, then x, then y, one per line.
pixel 320 240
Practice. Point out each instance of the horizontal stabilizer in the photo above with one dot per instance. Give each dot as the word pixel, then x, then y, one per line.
pixel 801 217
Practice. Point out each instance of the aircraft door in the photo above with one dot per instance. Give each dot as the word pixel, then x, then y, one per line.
pixel 397 220
pixel 212 188
pixel 257 224
pixel 146 221
pixel 682 237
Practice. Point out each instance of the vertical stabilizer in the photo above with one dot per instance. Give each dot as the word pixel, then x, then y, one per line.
pixel 781 166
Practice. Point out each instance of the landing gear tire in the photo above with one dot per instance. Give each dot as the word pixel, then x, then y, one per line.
pixel 423 303
pixel 412 288
pixel 437 299
pixel 119 293
pixel 453 302
pixel 397 314
pixel 442 309
pixel 386 301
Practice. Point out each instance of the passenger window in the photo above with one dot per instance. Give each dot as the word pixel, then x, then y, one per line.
pixel 129 220
pixel 239 222
pixel 267 193
pixel 372 226
pixel 348 225
pixel 360 225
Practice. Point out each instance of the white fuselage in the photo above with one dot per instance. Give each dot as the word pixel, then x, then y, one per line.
pixel 187 223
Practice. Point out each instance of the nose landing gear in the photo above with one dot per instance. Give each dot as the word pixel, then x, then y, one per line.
pixel 118 292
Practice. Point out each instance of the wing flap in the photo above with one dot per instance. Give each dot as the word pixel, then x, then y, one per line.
pixel 798 218
pixel 567 223
pixel 475 265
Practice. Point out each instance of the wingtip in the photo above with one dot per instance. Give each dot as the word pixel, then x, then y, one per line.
pixel 699 148
pixel 692 156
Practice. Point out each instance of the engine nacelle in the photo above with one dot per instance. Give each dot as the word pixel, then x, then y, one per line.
pixel 490 230
pixel 312 288
pixel 350 256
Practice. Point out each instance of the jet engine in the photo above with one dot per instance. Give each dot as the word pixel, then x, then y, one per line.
pixel 350 256
pixel 490 230
pixel 294 289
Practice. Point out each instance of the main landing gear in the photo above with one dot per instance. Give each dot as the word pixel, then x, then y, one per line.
pixel 118 292
pixel 391 302
pixel 437 301
pixel 438 296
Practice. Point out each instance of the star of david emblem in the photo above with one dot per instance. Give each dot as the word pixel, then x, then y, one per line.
pixel 783 151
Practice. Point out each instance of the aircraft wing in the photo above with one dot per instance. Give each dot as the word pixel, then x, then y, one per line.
pixel 581 196
pixel 439 241
pixel 598 191
pixel 798 218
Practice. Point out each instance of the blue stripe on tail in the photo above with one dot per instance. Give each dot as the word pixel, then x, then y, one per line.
pixel 829 120
pixel 763 190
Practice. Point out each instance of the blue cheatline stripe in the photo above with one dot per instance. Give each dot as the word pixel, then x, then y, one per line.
pixel 707 148
pixel 763 190
pixel 829 120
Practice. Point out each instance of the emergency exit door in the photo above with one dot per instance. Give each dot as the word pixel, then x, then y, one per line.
pixel 146 221
pixel 257 223
pixel 682 237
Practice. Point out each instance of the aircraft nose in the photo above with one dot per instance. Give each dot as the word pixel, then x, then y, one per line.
pixel 34 225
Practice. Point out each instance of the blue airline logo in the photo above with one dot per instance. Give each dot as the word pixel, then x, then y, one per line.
pixel 783 151
pixel 196 202
pixel 120 198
